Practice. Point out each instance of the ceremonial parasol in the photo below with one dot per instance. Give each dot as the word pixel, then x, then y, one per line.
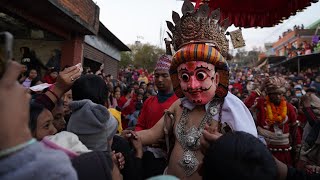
pixel 256 13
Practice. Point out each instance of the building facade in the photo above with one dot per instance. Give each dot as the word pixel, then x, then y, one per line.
pixel 63 25
pixel 294 42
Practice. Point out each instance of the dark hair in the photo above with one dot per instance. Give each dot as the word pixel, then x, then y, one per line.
pixel 239 155
pixel 138 106
pixel 90 87
pixel 311 90
pixel 35 110
pixel 35 80
pixel 115 87
pixel 126 91
pixel 26 52
pixel 93 165
pixel 141 83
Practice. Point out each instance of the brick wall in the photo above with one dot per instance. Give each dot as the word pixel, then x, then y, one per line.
pixel 72 51
pixel 42 48
pixel 87 11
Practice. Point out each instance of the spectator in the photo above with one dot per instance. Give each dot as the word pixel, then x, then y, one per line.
pixel 90 120
pixel 58 116
pixel 32 79
pixel 16 139
pixel 30 60
pixel 51 76
pixel 143 78
pixel 54 60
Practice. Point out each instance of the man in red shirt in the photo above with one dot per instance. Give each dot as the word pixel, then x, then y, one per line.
pixel 154 161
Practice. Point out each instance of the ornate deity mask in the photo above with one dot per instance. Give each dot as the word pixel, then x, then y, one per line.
pixel 199 39
pixel 198 81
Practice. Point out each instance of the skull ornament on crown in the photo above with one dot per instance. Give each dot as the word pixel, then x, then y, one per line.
pixel 199 70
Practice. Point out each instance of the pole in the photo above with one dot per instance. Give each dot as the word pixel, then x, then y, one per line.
pixel 298 64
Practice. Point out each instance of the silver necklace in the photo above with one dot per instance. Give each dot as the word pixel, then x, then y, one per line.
pixel 190 139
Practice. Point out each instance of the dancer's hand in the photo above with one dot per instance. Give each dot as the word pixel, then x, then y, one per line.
pixel 313 169
pixel 118 159
pixel 127 134
pixel 209 134
pixel 137 144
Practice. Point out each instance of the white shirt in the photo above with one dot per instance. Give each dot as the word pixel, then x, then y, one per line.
pixel 234 113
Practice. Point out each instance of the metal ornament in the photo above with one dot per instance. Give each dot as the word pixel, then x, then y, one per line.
pixel 237 39
pixel 213 111
pixel 193 138
pixel 277 130
pixel 189 162
pixel 190 139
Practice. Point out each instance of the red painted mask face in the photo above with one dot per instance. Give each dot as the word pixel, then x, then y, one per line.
pixel 198 81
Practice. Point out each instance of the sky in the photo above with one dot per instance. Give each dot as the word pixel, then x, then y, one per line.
pixel 145 20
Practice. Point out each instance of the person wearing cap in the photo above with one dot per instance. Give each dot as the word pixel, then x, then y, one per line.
pixel 276 119
pixel 200 78
pixel 299 92
pixel 153 108
pixel 90 120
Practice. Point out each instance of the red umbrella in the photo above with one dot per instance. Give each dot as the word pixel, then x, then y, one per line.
pixel 256 13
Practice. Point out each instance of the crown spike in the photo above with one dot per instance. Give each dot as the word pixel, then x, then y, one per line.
pixel 170 36
pixel 175 17
pixel 215 15
pixel 225 24
pixel 203 10
pixel 170 26
pixel 187 7
pixel 198 26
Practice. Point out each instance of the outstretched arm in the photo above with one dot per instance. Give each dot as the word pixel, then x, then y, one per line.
pixel 153 135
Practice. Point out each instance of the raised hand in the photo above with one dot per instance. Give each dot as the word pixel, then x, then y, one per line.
pixel 67 77
pixel 14 108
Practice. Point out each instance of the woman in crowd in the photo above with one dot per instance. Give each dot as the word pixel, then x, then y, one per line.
pixel 16 143
pixel 41 121
pixel 32 79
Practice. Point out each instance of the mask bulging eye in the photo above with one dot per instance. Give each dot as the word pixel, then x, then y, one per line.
pixel 185 77
pixel 201 76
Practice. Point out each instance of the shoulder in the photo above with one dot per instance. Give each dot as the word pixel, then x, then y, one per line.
pixel 35 157
pixel 175 106
pixel 237 115
pixel 231 97
pixel 174 97
pixel 289 105
pixel 150 99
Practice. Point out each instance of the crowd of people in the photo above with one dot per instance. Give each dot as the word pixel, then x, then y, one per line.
pixel 191 118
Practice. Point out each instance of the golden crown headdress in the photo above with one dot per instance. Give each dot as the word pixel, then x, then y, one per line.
pixel 199 26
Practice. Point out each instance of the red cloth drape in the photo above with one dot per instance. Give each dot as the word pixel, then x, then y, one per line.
pixel 253 13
